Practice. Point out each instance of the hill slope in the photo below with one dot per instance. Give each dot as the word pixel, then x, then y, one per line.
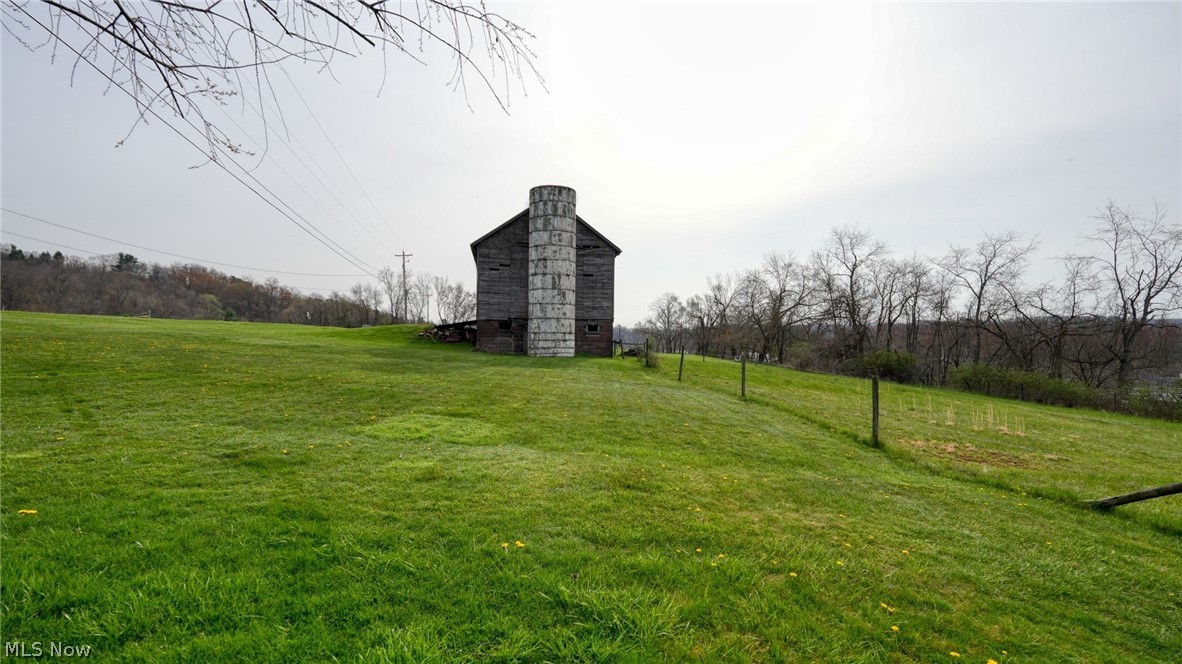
pixel 220 491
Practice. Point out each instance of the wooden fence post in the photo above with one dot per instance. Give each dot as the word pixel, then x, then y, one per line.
pixel 743 377
pixel 874 408
pixel 1136 496
pixel 681 366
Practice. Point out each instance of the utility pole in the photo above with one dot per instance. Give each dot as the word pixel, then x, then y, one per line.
pixel 405 286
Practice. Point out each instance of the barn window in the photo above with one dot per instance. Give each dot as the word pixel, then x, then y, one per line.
pixel 592 329
pixel 588 274
pixel 504 325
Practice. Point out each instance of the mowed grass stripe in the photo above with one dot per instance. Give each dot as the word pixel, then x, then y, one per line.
pixel 220 491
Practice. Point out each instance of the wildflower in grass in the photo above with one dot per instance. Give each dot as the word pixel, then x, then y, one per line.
pixel 894 628
pixel 992 661
pixel 698 550
pixel 26 512
pixel 890 609
pixel 847 544
pixel 954 654
pixel 774 562
pixel 519 544
pixel 840 564
pixel 285 451
pixel 722 555
pixel 792 574
pixel 505 545
pixel 906 552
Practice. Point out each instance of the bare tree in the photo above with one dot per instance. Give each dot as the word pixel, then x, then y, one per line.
pixel 915 287
pixel 668 321
pixel 420 298
pixel 1140 274
pixel 995 260
pixel 776 298
pixel 186 56
pixel 842 268
pixel 887 278
pixel 392 287
pixel 453 302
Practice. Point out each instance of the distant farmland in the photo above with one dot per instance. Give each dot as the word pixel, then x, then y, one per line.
pixel 210 490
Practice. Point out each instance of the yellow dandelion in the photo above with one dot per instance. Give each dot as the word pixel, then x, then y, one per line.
pixel 311 446
pixel 906 552
pixel 505 545
pixel 697 509
pixel 285 451
pixel 992 661
pixel 792 574
pixel 954 654
pixel 28 512
pixel 840 564
pixel 519 544
pixel 890 609
pixel 697 550
pixel 894 628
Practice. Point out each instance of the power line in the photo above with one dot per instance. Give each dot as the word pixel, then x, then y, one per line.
pixel 148 109
pixel 97 253
pixel 343 161
pixel 168 253
pixel 327 178
pixel 267 131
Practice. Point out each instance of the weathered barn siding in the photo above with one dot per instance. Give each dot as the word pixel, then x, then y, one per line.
pixel 595 279
pixel 502 287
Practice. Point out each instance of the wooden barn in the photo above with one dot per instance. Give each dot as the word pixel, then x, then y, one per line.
pixel 545 281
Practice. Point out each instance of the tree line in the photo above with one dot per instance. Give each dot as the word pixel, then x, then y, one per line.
pixel 852 306
pixel 122 285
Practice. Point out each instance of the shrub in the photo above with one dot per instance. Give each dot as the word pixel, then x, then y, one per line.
pixel 1023 385
pixel 1160 401
pixel 888 364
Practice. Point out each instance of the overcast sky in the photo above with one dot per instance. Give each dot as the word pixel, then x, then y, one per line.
pixel 699 137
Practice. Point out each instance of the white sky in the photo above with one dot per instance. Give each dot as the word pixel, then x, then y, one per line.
pixel 698 136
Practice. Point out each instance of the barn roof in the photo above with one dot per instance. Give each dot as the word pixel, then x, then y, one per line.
pixel 525 213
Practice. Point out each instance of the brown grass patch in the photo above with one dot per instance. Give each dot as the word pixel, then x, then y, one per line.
pixel 969 453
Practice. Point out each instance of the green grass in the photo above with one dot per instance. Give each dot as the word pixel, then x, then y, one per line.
pixel 215 491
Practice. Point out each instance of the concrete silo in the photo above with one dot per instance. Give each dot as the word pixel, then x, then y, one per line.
pixel 551 331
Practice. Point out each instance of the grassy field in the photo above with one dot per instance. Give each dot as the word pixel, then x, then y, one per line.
pixel 214 491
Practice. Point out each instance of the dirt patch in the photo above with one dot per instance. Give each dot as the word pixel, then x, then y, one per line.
pixel 969 453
